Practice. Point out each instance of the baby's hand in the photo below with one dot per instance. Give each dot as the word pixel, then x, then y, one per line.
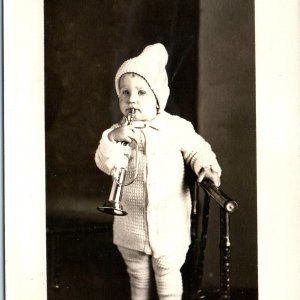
pixel 122 134
pixel 211 175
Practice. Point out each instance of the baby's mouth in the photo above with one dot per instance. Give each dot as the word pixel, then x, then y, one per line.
pixel 130 108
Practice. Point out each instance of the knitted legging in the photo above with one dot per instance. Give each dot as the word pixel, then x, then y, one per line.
pixel 166 272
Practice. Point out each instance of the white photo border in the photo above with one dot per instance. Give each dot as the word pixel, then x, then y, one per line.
pixel 278 149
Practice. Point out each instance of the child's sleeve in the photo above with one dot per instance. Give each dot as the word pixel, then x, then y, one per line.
pixel 197 152
pixel 109 155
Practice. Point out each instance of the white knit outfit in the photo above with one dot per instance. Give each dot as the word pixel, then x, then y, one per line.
pixel 166 273
pixel 156 230
pixel 158 202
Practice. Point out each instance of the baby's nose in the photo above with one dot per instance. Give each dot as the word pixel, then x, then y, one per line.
pixel 132 98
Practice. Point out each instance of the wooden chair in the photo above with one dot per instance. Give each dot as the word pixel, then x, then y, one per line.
pixel 200 218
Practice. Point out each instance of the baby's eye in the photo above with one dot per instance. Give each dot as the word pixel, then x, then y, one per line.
pixel 125 92
pixel 141 93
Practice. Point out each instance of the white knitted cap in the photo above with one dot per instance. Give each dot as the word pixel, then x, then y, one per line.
pixel 151 65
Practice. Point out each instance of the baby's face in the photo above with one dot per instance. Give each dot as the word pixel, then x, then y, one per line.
pixel 136 93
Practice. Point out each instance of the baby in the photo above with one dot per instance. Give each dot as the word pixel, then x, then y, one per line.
pixel 155 235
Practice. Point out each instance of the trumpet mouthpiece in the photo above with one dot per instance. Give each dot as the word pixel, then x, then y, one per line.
pixel 131 115
pixel 131 111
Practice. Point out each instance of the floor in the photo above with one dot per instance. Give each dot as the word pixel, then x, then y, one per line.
pixel 87 266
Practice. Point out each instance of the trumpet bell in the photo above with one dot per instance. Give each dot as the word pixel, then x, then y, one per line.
pixel 113 205
pixel 112 208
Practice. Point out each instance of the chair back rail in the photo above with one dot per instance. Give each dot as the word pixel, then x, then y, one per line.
pixel 200 218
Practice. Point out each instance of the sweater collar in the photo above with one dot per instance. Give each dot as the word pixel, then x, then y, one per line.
pixel 157 123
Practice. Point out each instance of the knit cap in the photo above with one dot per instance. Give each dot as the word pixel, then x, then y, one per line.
pixel 151 65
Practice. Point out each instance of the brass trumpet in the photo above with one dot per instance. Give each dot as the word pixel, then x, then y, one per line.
pixel 113 206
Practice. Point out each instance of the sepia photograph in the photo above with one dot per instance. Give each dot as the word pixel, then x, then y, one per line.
pixel 147 128
pixel 194 64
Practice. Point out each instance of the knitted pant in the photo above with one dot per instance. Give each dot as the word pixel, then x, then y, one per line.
pixel 166 272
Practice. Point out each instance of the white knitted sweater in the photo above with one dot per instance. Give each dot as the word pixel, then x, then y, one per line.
pixel 158 202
